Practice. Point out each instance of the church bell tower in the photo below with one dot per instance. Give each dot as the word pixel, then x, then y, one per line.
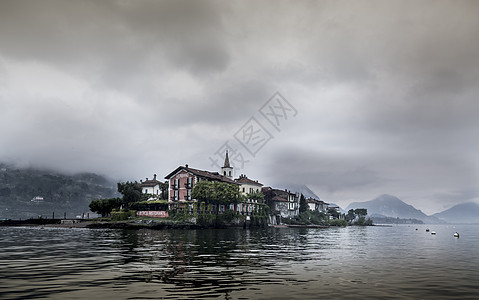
pixel 227 170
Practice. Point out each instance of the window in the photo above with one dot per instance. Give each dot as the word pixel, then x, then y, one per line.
pixel 243 190
pixel 230 173
pixel 189 182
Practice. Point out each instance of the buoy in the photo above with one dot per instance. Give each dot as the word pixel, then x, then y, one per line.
pixel 433 232
pixel 456 234
pixel 416 228
pixel 427 229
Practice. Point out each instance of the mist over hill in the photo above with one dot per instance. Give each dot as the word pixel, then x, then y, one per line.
pixel 298 188
pixel 52 193
pixel 393 207
pixel 461 213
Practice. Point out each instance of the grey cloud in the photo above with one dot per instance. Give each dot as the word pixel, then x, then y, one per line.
pixel 386 91
pixel 119 40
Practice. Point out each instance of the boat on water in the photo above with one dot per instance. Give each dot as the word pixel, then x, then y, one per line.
pixel 37 199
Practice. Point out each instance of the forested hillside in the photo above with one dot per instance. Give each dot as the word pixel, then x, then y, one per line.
pixel 57 193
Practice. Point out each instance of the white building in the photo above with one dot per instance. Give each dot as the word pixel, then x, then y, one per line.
pixel 151 187
pixel 247 185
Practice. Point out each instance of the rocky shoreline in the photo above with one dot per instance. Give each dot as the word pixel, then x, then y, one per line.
pixel 94 224
pixel 133 224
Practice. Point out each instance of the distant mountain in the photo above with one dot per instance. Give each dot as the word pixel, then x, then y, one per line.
pixel 299 188
pixel 29 193
pixel 461 213
pixel 391 206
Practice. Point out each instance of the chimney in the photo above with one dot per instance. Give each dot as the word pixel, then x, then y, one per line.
pixel 146 178
pixel 154 176
pixel 141 180
pixel 186 166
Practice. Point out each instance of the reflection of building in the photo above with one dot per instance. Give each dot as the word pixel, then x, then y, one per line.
pixel 151 187
pixel 317 205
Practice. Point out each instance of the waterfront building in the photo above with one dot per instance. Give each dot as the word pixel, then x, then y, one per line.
pixel 182 180
pixel 151 187
pixel 248 186
pixel 317 205
pixel 283 203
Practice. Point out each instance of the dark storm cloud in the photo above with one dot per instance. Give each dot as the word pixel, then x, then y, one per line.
pixel 386 92
pixel 118 39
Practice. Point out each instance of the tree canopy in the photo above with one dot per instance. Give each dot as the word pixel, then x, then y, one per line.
pixel 303 206
pixel 105 206
pixel 215 192
pixel 131 192
pixel 255 196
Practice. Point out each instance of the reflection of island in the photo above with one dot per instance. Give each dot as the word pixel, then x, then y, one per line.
pixel 210 263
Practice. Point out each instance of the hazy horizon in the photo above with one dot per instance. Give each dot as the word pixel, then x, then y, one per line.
pixel 352 99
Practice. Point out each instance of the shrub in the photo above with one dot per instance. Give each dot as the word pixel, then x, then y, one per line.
pixel 229 215
pixel 338 222
pixel 123 215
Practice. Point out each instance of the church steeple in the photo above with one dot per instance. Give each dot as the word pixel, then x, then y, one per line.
pixel 227 161
pixel 227 170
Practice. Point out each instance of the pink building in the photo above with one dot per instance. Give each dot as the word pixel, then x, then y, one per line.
pixel 183 179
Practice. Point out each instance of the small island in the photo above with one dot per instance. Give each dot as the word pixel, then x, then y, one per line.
pixel 193 198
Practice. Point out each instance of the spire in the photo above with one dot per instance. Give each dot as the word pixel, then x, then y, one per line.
pixel 227 169
pixel 227 161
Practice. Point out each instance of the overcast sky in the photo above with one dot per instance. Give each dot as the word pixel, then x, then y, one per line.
pixel 352 98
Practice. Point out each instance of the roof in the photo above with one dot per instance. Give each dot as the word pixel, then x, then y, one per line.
pixel 312 200
pixel 279 199
pixel 201 173
pixel 150 183
pixel 244 179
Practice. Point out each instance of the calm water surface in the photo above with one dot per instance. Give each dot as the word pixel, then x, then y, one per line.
pixel 396 262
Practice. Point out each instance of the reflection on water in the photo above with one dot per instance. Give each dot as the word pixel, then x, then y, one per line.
pixel 281 263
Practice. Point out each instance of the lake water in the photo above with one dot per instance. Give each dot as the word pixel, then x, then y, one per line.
pixel 396 262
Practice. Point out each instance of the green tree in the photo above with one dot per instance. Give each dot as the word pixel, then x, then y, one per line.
pixel 131 192
pixel 216 193
pixel 203 191
pixel 268 197
pixel 333 212
pixel 361 212
pixel 105 206
pixel 164 186
pixel 256 196
pixel 351 215
pixel 303 206
pixel 225 193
